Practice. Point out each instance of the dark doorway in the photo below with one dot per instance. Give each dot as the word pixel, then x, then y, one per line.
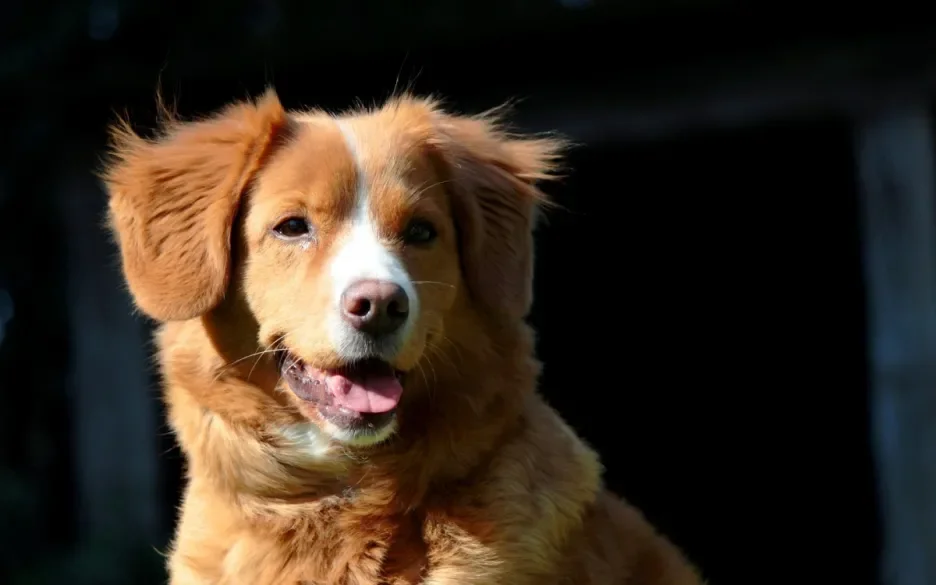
pixel 700 309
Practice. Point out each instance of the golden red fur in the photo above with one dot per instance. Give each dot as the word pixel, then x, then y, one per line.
pixel 479 482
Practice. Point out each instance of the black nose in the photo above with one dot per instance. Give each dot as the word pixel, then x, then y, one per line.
pixel 377 307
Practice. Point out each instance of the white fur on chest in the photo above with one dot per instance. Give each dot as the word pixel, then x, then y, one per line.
pixel 307 442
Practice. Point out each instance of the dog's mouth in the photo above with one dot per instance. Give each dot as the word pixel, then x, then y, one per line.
pixel 358 396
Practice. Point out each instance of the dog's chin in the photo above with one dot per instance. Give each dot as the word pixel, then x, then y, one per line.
pixel 354 404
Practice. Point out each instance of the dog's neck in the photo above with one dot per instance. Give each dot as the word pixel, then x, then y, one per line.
pixel 464 404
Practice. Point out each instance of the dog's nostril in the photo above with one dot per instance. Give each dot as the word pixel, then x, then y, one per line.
pixel 359 307
pixel 397 309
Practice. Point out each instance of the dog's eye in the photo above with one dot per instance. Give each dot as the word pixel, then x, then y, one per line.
pixel 292 228
pixel 419 231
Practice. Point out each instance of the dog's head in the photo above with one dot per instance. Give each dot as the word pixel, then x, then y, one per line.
pixel 353 240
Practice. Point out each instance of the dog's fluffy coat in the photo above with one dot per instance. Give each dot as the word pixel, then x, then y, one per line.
pixel 482 483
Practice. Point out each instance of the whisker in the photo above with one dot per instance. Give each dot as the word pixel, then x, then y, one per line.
pixel 437 351
pixel 425 188
pixel 450 343
pixel 223 370
pixel 247 357
pixel 434 282
pixel 264 350
pixel 471 403
pixel 435 375
pixel 271 349
pixel 425 379
pixel 259 354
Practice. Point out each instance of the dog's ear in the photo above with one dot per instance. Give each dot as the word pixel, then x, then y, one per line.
pixel 492 178
pixel 173 200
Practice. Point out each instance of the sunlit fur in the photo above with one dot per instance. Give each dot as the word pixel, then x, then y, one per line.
pixel 479 482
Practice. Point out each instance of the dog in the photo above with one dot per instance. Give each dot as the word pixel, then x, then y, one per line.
pixel 346 361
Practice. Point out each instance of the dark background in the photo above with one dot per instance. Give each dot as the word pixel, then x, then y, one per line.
pixel 700 301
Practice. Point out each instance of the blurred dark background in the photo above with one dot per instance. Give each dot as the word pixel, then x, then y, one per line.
pixel 737 306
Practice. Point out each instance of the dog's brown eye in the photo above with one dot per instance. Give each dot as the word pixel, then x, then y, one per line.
pixel 292 228
pixel 419 231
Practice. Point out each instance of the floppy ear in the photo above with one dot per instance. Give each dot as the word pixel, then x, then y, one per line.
pixel 493 179
pixel 173 199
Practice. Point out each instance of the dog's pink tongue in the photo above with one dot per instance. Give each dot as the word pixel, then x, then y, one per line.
pixel 370 392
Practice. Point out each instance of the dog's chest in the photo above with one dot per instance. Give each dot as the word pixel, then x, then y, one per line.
pixel 341 547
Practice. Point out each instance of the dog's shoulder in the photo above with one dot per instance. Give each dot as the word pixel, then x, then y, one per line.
pixel 513 522
pixel 541 514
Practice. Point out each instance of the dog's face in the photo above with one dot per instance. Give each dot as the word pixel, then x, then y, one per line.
pixel 354 238
pixel 363 249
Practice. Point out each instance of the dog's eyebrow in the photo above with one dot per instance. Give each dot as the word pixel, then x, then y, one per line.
pixel 295 196
pixel 291 193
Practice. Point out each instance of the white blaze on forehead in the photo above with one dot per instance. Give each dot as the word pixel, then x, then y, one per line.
pixel 360 253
